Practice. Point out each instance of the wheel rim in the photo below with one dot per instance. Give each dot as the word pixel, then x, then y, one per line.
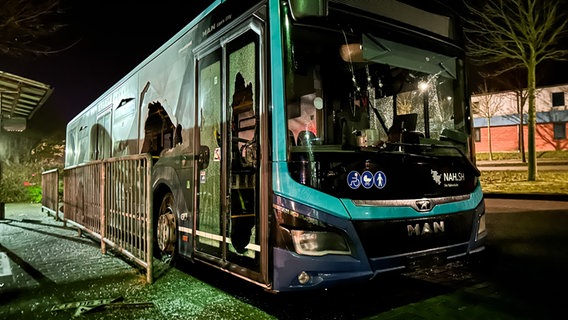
pixel 166 229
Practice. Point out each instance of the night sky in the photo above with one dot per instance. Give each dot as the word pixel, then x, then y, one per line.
pixel 109 39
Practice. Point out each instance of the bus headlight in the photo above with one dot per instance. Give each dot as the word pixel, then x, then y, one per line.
pixel 481 228
pixel 319 243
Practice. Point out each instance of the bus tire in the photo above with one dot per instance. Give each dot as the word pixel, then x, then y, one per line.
pixel 165 231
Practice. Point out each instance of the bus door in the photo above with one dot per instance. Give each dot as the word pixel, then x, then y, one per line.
pixel 227 221
pixel 209 235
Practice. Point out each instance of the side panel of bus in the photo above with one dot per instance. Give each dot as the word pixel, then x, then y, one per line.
pixel 165 129
pixel 198 106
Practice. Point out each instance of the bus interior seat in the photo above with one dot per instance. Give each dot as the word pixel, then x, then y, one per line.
pixel 403 129
pixel 404 122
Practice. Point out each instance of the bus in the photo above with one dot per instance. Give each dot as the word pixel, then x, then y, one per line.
pixel 301 144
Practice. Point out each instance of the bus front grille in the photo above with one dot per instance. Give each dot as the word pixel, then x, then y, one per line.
pixel 381 238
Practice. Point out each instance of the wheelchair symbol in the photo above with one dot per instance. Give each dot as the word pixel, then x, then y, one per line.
pixel 354 180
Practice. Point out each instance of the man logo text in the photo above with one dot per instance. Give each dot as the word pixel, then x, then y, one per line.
pixel 426 228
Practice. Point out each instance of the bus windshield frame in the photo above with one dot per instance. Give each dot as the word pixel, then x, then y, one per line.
pixel 359 86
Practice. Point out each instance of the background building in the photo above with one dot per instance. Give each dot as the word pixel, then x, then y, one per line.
pixel 497 120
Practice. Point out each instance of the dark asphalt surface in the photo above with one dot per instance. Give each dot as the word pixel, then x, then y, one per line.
pixel 54 271
pixel 57 274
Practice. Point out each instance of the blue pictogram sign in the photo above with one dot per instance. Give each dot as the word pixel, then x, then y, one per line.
pixel 353 180
pixel 380 179
pixel 367 180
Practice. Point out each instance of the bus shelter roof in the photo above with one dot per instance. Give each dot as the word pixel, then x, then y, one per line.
pixel 21 97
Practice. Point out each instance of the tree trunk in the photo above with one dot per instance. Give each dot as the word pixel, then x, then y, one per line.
pixel 531 88
pixel 489 138
pixel 521 127
pixel 522 134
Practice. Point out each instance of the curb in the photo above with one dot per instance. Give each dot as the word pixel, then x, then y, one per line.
pixel 507 163
pixel 527 196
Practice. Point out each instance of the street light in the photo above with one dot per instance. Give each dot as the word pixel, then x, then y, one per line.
pixel 423 86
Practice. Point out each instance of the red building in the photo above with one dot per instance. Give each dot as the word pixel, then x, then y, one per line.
pixel 499 113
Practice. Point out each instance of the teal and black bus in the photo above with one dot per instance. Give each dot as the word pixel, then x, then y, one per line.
pixel 301 144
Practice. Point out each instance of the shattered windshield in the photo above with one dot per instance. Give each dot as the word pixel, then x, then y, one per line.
pixel 353 91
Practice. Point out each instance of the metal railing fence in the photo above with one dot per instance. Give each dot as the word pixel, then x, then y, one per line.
pixel 50 192
pixel 82 202
pixel 112 200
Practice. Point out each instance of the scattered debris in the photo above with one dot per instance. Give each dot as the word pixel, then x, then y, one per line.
pixel 93 305
pixel 89 303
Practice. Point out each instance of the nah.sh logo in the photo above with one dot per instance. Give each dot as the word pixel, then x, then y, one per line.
pixel 447 176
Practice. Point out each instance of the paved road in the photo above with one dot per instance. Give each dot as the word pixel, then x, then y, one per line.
pixel 53 268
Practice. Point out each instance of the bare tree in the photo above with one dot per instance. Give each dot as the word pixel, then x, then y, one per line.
pixel 26 26
pixel 518 34
pixel 515 80
pixel 487 105
pixel 521 97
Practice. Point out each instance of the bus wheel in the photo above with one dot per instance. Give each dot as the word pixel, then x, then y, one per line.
pixel 166 236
